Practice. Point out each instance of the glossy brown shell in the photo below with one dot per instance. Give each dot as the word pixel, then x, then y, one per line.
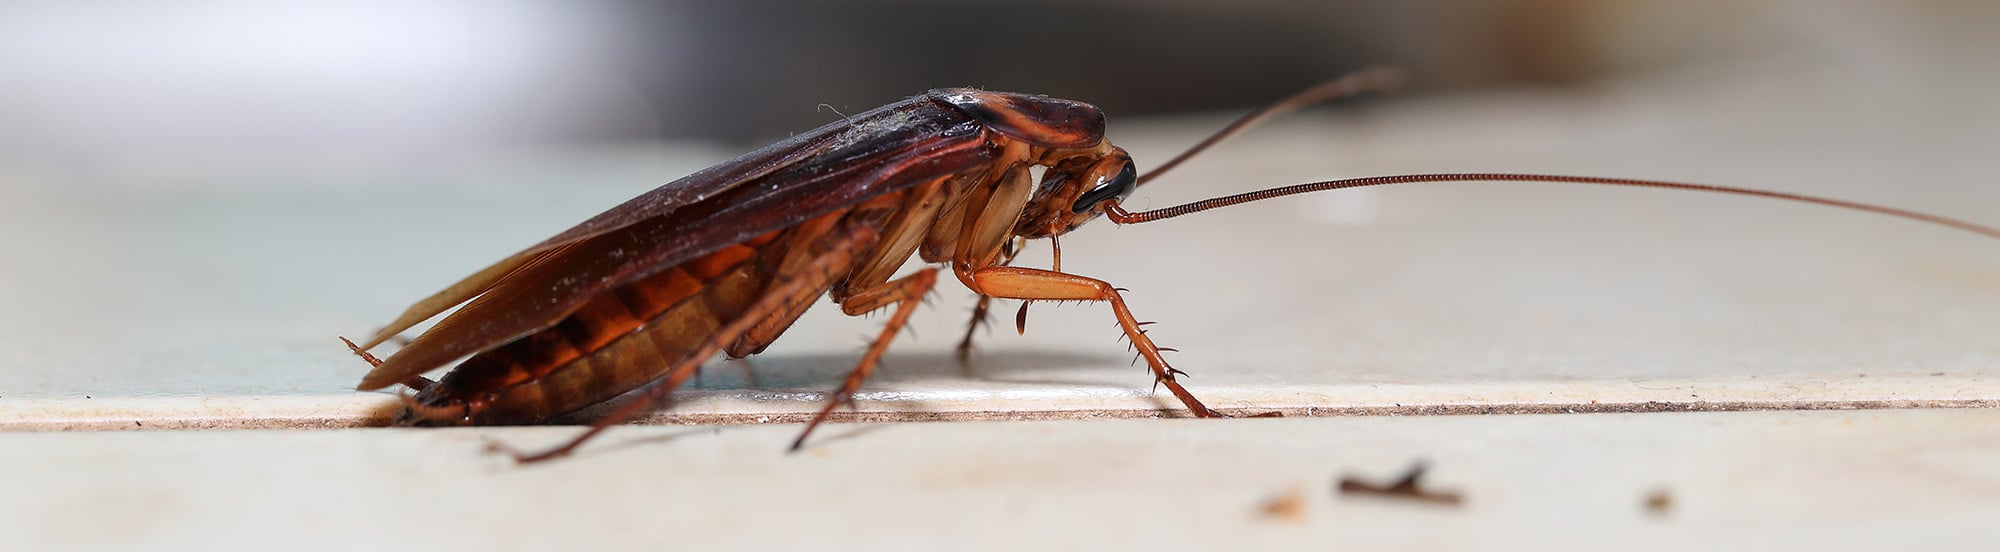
pixel 884 150
pixel 1039 120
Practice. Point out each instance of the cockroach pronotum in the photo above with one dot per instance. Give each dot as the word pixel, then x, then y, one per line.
pixel 725 259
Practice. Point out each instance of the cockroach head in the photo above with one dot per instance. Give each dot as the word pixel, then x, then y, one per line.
pixel 1075 190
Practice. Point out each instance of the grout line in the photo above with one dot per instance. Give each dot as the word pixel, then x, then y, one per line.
pixel 379 418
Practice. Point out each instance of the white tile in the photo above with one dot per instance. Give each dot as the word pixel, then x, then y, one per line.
pixel 1872 479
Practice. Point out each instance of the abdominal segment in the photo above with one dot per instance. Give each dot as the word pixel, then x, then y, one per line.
pixel 617 342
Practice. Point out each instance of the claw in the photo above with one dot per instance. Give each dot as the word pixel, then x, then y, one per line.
pixel 496 447
pixel 521 457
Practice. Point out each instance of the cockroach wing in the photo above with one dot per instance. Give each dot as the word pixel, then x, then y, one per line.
pixel 659 201
pixel 882 151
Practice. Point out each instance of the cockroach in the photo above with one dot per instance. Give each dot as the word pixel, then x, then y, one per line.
pixel 727 258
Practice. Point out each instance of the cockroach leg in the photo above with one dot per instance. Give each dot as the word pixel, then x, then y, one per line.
pixel 982 309
pixel 905 293
pixel 1036 284
pixel 420 411
pixel 981 314
pixel 1055 254
pixel 418 383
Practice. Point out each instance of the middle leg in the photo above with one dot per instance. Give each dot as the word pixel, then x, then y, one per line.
pixel 982 309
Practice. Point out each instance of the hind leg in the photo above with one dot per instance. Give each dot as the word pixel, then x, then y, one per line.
pixel 905 293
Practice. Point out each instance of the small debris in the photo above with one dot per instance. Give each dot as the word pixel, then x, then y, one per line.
pixel 1659 503
pixel 1409 487
pixel 1286 506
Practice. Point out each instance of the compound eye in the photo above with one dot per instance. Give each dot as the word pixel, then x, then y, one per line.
pixel 1119 187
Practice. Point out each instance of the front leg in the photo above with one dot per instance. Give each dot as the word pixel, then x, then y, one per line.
pixel 1046 285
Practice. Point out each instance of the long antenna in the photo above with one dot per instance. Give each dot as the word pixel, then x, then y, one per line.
pixel 1352 84
pixel 1121 216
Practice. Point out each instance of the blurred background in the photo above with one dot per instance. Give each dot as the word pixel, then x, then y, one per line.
pixel 216 187
pixel 122 93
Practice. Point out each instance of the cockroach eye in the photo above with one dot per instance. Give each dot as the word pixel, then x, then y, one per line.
pixel 1119 186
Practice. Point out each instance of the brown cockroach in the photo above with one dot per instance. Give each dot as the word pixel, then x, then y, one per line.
pixel 725 259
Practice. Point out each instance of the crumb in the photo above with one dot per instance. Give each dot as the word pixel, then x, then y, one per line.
pixel 1407 487
pixel 1659 503
pixel 1287 506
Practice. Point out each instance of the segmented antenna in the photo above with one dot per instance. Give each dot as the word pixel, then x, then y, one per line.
pixel 1121 216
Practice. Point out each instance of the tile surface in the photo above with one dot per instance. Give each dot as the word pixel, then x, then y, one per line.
pixel 1816 480
pixel 212 301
